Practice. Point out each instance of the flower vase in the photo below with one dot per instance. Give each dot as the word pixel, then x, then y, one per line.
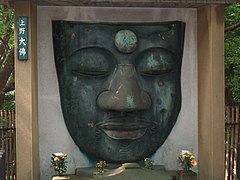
pixel 61 177
pixel 186 175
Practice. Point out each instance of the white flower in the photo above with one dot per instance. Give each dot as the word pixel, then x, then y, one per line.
pixel 185 152
pixel 58 154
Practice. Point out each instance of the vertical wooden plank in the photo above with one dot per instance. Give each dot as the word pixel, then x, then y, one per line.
pixel 232 139
pixel 231 142
pixel 4 132
pixel 238 143
pixel 7 145
pixel 236 137
pixel 27 98
pixel 10 143
pixel 211 126
pixel 1 133
pixel 14 144
pixel 227 145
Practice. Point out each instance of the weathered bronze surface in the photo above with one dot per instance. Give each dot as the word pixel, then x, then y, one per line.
pixel 119 105
pixel 126 41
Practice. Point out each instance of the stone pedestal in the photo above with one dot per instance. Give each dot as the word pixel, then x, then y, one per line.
pixel 132 171
pixel 186 175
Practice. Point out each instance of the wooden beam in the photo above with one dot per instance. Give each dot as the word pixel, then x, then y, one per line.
pixel 129 3
pixel 211 92
pixel 27 98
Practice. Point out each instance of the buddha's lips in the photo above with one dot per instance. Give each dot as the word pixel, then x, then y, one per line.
pixel 118 130
pixel 125 134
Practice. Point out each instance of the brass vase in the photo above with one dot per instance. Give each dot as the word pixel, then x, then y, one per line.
pixel 61 177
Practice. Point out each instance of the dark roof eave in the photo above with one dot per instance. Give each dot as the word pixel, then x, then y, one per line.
pixel 136 3
pixel 129 3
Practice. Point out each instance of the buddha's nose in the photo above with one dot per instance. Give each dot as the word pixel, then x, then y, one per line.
pixel 124 92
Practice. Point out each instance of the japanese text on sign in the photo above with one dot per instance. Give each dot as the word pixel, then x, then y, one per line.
pixel 22 35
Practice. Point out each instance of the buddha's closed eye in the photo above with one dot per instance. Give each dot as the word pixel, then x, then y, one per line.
pixel 155 61
pixel 91 61
pixel 97 62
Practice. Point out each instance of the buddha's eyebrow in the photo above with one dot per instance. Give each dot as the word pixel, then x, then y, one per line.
pixel 148 31
pixel 82 42
pixel 164 35
pixel 89 47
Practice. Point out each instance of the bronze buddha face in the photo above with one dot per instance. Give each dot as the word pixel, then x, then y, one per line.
pixel 119 85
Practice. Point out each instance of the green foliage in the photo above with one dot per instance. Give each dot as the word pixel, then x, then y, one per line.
pixel 7 23
pixel 2 122
pixel 148 163
pixel 9 101
pixel 232 51
pixel 231 14
pixel 6 46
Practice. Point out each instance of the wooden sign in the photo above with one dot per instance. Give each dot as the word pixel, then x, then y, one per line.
pixel 22 36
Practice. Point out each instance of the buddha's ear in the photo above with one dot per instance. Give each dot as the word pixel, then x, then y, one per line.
pixel 175 39
pixel 179 29
pixel 59 44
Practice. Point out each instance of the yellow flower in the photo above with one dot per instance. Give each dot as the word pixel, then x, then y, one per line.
pixel 56 159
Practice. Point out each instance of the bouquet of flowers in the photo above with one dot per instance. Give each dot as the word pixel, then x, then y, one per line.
pixel 187 160
pixel 101 165
pixel 148 163
pixel 58 161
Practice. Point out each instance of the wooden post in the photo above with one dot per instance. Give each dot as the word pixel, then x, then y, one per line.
pixel 238 162
pixel 211 92
pixel 27 156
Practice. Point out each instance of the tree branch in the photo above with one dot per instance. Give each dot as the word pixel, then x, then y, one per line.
pixel 2 51
pixel 232 27
pixel 6 70
pixel 9 87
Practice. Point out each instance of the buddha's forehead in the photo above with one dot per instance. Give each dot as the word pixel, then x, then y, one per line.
pixel 77 35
